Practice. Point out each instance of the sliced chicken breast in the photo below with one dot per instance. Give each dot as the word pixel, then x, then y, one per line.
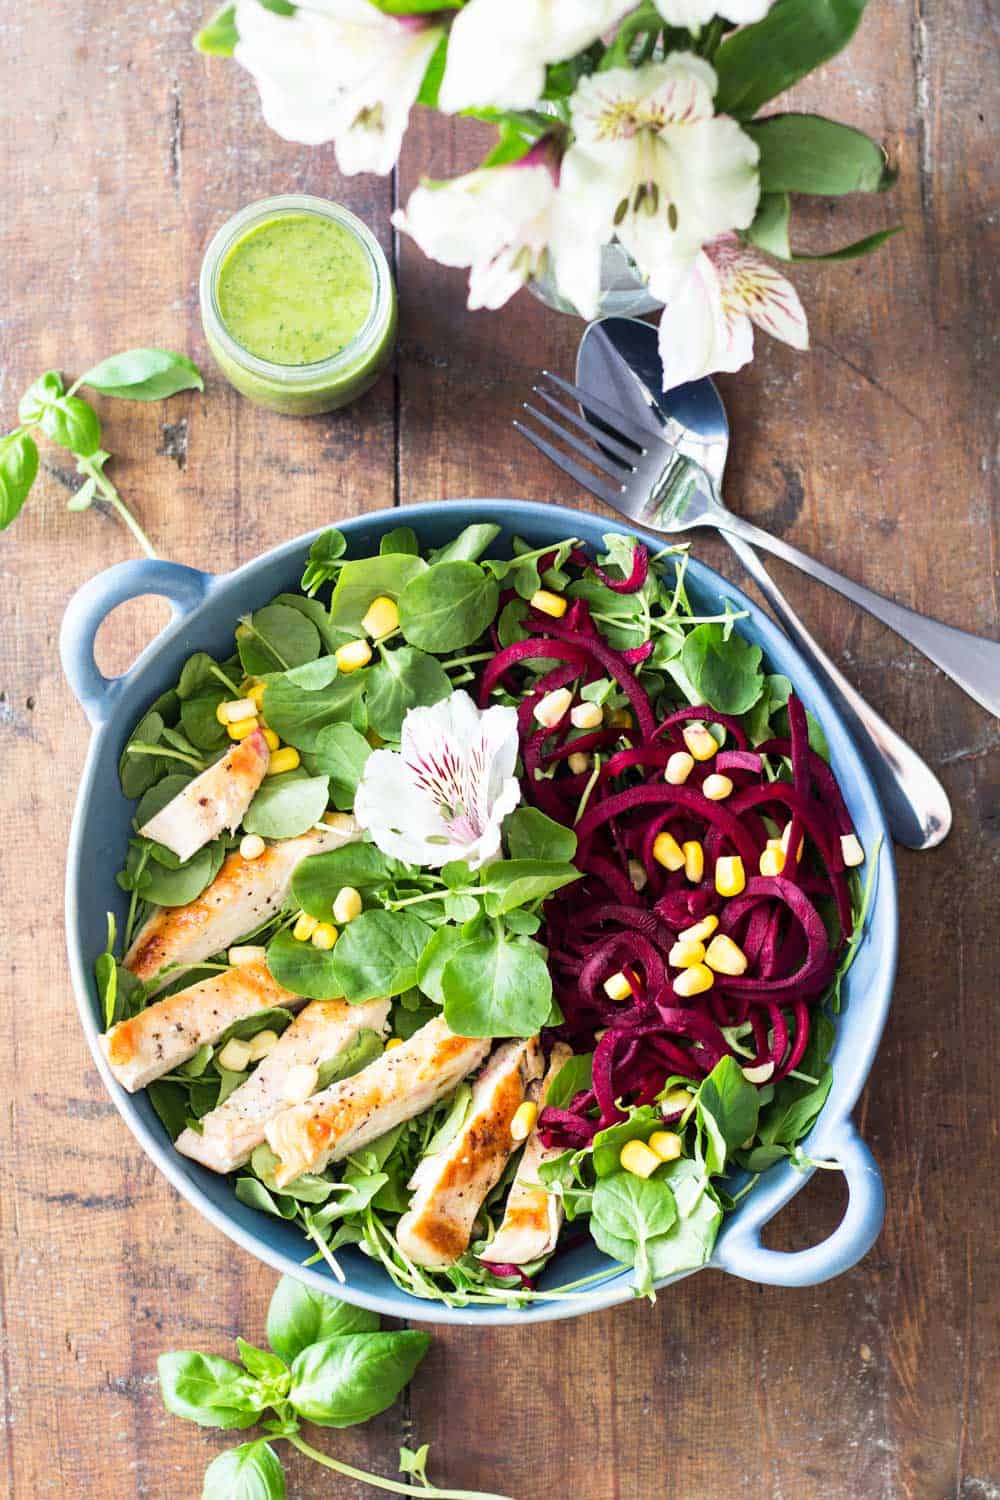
pixel 395 1087
pixel 170 1031
pixel 322 1031
pixel 533 1216
pixel 243 894
pixel 451 1185
pixel 213 801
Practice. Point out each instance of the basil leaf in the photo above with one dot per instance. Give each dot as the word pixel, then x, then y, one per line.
pixel 724 673
pixel 575 1075
pixel 340 753
pixel 40 394
pixel 469 545
pixel 358 583
pixel 250 1472
pixel 402 680
pixel 72 423
pixel 726 1107
pixel 18 470
pixel 144 375
pixel 515 882
pixel 497 986
pixel 303 969
pixel 260 1362
pixel 532 835
pixel 298 715
pixel 377 954
pixel 287 805
pixel 810 154
pixel 351 1378
pixel 318 878
pixel 275 638
pixel 757 62
pixel 207 1389
pixel 298 1316
pixel 448 606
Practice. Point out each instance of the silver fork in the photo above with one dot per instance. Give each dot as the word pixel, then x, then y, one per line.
pixel 650 482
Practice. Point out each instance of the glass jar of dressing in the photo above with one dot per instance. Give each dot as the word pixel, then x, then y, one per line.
pixel 298 304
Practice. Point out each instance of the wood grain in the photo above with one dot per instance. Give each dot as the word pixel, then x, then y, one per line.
pixel 122 151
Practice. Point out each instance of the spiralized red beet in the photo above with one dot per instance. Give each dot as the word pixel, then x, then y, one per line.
pixel 630 585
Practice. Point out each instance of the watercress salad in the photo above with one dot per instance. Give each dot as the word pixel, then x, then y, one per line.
pixel 587 812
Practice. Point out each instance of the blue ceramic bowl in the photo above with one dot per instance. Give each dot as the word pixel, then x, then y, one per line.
pixel 205 611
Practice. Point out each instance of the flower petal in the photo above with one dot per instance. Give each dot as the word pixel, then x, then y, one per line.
pixel 756 289
pixel 696 336
pixel 694 14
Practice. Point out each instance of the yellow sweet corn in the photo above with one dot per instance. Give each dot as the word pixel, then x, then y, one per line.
pixel 786 835
pixel 300 1082
pixel 730 876
pixel 637 1158
pixel 236 709
pixel 523 1122
pixel 305 926
pixel 381 618
pixel 717 787
pixel 700 743
pixel 235 1056
pixel 678 768
pixel 772 861
pixel 262 1044
pixel 548 603
pixel 273 743
pixel 700 931
pixel 675 1101
pixel 221 714
pixel 324 936
pixel 760 1074
pixel 252 846
pixel 285 759
pixel 619 718
pixel 578 762
pixel 340 820
pixel 242 729
pixel 393 1042
pixel 249 953
pixel 850 848
pixel 725 956
pixel 553 707
pixel 694 981
pixel 666 1144
pixel 668 852
pixel 348 905
pixel 256 694
pixel 353 655
pixel 617 987
pixel 587 716
pixel 637 875
pixel 694 861
pixel 683 955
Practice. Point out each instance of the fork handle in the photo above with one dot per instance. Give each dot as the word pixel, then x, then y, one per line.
pixel 916 804
pixel 972 661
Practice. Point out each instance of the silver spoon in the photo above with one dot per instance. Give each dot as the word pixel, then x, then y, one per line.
pixel 618 359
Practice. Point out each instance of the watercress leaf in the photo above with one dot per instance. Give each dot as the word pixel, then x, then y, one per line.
pixel 402 680
pixel 777 691
pixel 255 1195
pixel 170 1103
pixel 459 908
pixel 414 1461
pixel 313 675
pixel 634 1208
pixel 366 1046
pixel 340 754
pixel 794 1109
pixel 531 834
pixel 71 422
pixel 18 469
pixel 469 545
pixel 272 1018
pixel 607 1144
pixel 358 583
pixel 199 720
pixel 41 393
pixel 516 882
pixel 317 612
pixel 448 606
pixel 275 638
pixel 207 1389
pixel 574 1076
pixel 197 676
pixel 524 923
pixel 325 560
pixel 298 715
pixel 260 1362
pixel 724 673
pixel 121 993
pixel 438 953
pixel 760 1158
pixel 287 805
pixel 176 887
pixel 317 879
pixel 509 627
pixel 400 539
pixel 497 986
pixel 144 375
pixel 308 1187
pixel 250 1472
pixel 726 1107
pixel 352 1377
pixel 299 1316
pixel 688 1243
pixel 303 969
pixel 377 954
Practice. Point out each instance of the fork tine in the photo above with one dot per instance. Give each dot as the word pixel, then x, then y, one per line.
pixel 605 492
pixel 627 454
pixel 608 466
pixel 616 420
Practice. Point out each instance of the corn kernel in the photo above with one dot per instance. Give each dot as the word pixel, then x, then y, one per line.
pixel 242 730
pixel 343 822
pixel 683 955
pixel 353 655
pixel 235 710
pixel 637 875
pixel 786 835
pixel 285 759
pixel 668 852
pixel 324 936
pixel 760 1074
pixel 850 848
pixel 666 1144
pixel 579 762
pixel 262 1044
pixel 523 1122
pixel 694 981
pixel 235 1056
pixel 394 1041
pixel 675 1102
pixel 300 1082
pixel 725 956
pixel 637 1158
pixel 348 905
pixel 617 987
pixel 252 846
pixel 221 713
pixel 553 707
pixel 772 861
pixel 700 743
pixel 694 861
pixel 619 718
pixel 249 953
pixel 305 926
pixel 678 768
pixel 717 787
pixel 381 618
pixel 256 694
pixel 272 740
pixel 700 931
pixel 730 876
pixel 548 603
pixel 587 716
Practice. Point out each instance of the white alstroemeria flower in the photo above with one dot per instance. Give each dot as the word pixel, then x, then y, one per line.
pixel 695 13
pixel 496 220
pixel 707 324
pixel 337 70
pixel 653 165
pixel 445 793
pixel 498 49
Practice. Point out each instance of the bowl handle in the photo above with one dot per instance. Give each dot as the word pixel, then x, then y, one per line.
pixel 741 1253
pixel 184 587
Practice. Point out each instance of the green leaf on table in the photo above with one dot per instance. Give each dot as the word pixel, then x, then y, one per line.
pixel 219 36
pixel 207 1389
pixel 399 681
pixel 448 606
pixel 18 470
pixel 368 578
pixel 810 154
pixel 275 638
pixel 758 62
pixel 299 714
pixel 530 834
pixel 340 753
pixel 144 375
pixel 40 394
pixel 769 232
pixel 508 883
pixel 250 1472
pixel 350 1378
pixel 317 879
pixel 260 1362
pixel 377 954
pixel 299 1316
pixel 285 806
pixel 495 985
pixel 726 1109
pixel 73 424
pixel 725 673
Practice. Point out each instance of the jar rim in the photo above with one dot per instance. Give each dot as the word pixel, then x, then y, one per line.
pixel 245 219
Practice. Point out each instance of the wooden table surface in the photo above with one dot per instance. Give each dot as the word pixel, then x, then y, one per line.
pixel 123 150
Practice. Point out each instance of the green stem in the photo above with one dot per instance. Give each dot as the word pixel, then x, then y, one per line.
pixel 137 747
pixel 111 495
pixel 395 1485
pixel 217 671
pixel 465 661
pixel 429 896
pixel 141 864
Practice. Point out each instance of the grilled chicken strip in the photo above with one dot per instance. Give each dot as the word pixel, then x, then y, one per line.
pixel 322 1031
pixel 395 1087
pixel 533 1216
pixel 167 1033
pixel 215 800
pixel 451 1185
pixel 243 894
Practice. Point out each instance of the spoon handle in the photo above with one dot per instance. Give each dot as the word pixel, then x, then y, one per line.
pixel 916 805
pixel 972 661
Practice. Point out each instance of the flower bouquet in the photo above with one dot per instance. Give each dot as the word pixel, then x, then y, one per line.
pixel 636 125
